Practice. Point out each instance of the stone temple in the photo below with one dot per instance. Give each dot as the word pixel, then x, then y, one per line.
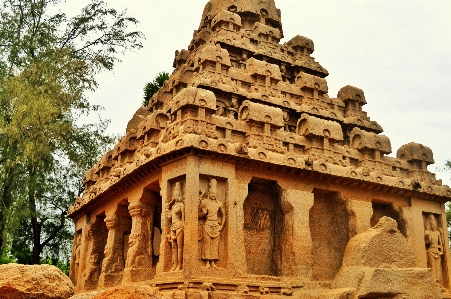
pixel 244 179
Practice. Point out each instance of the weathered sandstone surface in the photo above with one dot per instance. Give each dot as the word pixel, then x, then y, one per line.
pixel 34 282
pixel 379 264
pixel 244 178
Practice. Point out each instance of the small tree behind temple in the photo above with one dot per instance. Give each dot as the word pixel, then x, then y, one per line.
pixel 151 88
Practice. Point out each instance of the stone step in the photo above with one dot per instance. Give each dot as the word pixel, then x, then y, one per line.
pixel 343 293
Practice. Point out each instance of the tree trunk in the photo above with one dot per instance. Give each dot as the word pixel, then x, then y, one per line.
pixel 2 229
pixel 6 204
pixel 35 225
pixel 37 248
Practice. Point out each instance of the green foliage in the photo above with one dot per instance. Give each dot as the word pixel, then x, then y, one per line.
pixel 151 88
pixel 64 266
pixel 6 259
pixel 47 64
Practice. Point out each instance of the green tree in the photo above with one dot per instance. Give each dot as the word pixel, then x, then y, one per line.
pixel 151 88
pixel 47 64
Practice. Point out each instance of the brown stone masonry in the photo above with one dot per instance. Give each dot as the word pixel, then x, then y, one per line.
pixel 244 178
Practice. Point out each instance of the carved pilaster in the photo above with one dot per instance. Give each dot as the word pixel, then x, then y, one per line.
pixel 76 258
pixel 115 251
pixel 138 265
pixel 96 239
pixel 297 260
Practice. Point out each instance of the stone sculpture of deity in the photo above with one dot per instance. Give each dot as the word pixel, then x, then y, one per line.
pixel 77 254
pixel 211 229
pixel 175 212
pixel 434 247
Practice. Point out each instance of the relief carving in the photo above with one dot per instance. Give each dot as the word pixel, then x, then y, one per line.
pixel 210 208
pixel 77 256
pixel 261 219
pixel 175 212
pixel 434 247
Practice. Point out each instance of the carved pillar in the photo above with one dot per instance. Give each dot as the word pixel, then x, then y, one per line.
pixel 96 239
pixel 114 261
pixel 297 260
pixel 76 259
pixel 138 265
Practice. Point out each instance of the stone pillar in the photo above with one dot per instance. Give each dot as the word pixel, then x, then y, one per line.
pixel 114 261
pixel 360 213
pixel 190 247
pixel 297 260
pixel 76 260
pixel 138 265
pixel 236 224
pixel 446 266
pixel 185 172
pixel 407 216
pixel 96 239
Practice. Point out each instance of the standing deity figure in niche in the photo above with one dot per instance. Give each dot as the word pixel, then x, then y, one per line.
pixel 175 212
pixel 209 209
pixel 434 247
pixel 77 254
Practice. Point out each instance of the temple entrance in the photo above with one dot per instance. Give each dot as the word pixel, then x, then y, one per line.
pixel 263 228
pixel 329 226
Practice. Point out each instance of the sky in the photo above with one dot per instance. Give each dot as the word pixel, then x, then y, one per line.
pixel 397 52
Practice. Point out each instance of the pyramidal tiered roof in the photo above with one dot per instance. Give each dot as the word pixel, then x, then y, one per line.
pixel 239 94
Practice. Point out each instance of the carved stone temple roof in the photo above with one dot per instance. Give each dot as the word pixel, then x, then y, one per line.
pixel 238 94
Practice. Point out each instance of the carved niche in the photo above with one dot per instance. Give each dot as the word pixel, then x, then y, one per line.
pixel 263 228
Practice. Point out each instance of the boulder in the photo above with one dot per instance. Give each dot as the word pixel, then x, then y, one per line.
pixel 379 246
pixel 402 283
pixel 379 263
pixel 34 282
